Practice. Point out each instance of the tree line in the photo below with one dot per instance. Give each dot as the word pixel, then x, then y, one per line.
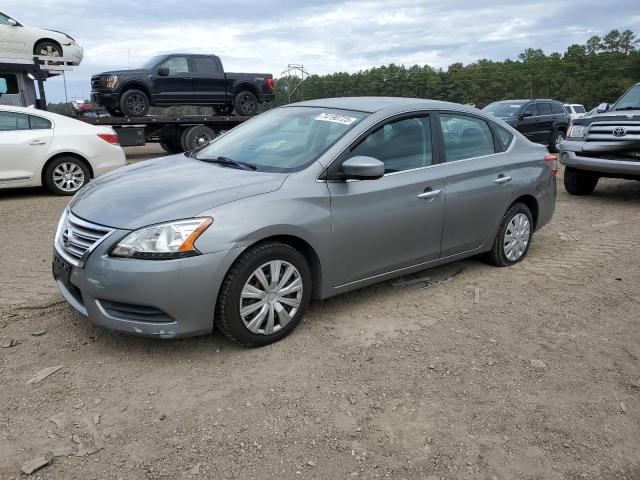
pixel 599 70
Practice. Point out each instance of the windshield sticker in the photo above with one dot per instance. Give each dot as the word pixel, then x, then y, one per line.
pixel 335 118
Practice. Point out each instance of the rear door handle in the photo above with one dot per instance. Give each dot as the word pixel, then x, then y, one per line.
pixel 427 194
pixel 502 180
pixel 37 142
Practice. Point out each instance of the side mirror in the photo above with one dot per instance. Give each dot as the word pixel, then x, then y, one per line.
pixel 12 22
pixel 603 107
pixel 525 115
pixel 163 72
pixel 362 168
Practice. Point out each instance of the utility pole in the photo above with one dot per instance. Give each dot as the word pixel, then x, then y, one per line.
pixel 293 77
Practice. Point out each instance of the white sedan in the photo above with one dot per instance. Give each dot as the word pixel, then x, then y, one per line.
pixel 18 39
pixel 42 148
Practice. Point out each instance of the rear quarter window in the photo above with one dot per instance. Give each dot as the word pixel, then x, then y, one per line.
pixel 505 137
pixel 39 123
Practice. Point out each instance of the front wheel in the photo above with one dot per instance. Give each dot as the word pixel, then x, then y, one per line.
pixel 579 182
pixel 556 140
pixel 47 48
pixel 66 175
pixel 134 103
pixel 246 103
pixel 514 235
pixel 264 295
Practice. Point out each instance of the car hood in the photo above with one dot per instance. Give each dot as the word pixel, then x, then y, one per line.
pixel 166 189
pixel 137 71
pixel 611 116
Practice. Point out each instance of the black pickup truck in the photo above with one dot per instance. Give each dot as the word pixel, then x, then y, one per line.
pixel 181 79
pixel 541 120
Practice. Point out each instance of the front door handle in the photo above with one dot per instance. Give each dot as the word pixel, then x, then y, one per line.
pixel 37 142
pixel 427 194
pixel 502 180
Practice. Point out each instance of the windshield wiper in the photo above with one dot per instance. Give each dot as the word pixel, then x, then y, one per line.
pixel 625 108
pixel 227 161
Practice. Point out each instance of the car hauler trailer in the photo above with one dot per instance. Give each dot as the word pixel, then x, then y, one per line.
pixel 174 133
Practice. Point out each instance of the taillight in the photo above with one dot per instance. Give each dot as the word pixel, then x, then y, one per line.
pixel 554 163
pixel 270 83
pixel 111 138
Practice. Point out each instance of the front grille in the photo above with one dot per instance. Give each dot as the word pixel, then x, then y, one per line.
pixel 95 83
pixel 604 132
pixel 77 238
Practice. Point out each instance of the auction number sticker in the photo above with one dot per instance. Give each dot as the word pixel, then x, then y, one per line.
pixel 336 118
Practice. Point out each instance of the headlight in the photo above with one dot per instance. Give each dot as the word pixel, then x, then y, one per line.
pixel 111 81
pixel 164 241
pixel 578 131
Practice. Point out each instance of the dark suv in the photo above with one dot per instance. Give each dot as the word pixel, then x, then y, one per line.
pixel 181 79
pixel 541 120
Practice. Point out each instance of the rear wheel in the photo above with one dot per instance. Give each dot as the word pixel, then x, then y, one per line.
pixel 556 140
pixel 514 235
pixel 66 175
pixel 196 137
pixel 264 295
pixel 579 182
pixel 246 103
pixel 134 103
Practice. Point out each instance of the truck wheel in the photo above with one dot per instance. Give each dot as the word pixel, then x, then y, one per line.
pixel 134 103
pixel 245 103
pixel 196 137
pixel 579 182
pixel 556 140
pixel 66 175
pixel 223 109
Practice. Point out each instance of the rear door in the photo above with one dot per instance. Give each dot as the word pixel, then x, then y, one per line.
pixel 24 142
pixel 177 87
pixel 479 182
pixel 208 80
pixel 546 122
pixel 395 221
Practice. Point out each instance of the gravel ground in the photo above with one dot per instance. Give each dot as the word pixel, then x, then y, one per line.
pixel 537 377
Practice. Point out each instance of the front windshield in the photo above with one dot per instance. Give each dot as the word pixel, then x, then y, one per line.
pixel 630 100
pixel 284 139
pixel 152 62
pixel 503 109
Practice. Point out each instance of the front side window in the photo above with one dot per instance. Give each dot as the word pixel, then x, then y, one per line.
pixel 544 109
pixel 39 123
pixel 10 121
pixel 530 109
pixel 465 137
pixel 401 145
pixel 284 139
pixel 205 65
pixel 176 65
pixel 4 20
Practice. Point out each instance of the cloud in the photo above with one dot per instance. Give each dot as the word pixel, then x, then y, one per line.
pixel 326 35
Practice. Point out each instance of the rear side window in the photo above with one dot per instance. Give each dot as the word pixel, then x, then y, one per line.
pixel 544 109
pixel 39 123
pixel 465 137
pixel 205 65
pixel 557 108
pixel 11 121
pixel 505 137
pixel 401 145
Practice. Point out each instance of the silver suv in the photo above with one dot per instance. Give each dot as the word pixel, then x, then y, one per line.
pixel 300 203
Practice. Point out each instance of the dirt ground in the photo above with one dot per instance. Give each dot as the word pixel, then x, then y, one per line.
pixel 537 377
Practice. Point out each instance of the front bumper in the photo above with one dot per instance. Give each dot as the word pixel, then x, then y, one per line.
pixel 600 157
pixel 106 97
pixel 74 52
pixel 154 298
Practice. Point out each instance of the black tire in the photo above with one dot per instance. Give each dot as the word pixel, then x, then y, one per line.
pixel 497 255
pixel 579 182
pixel 245 103
pixel 134 103
pixel 196 137
pixel 223 109
pixel 51 176
pixel 558 137
pixel 47 48
pixel 227 313
pixel 114 112
pixel 171 146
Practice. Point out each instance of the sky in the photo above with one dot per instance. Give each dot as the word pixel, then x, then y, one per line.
pixel 326 36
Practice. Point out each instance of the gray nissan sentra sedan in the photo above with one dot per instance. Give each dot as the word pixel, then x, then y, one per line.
pixel 300 203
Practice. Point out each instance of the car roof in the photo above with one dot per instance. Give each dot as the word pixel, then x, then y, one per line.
pixel 376 104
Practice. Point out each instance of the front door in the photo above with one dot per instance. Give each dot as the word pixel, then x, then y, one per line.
pixel 479 182
pixel 528 126
pixel 393 222
pixel 176 87
pixel 9 38
pixel 24 142
pixel 209 81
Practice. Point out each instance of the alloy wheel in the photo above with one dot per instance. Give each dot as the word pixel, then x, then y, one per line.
pixel 270 298
pixel 49 51
pixel 516 237
pixel 248 104
pixel 68 177
pixel 136 104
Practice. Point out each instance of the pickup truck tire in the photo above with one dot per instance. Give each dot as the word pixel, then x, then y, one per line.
pixel 246 103
pixel 579 182
pixel 134 103
pixel 223 109
pixel 557 138
pixel 196 137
